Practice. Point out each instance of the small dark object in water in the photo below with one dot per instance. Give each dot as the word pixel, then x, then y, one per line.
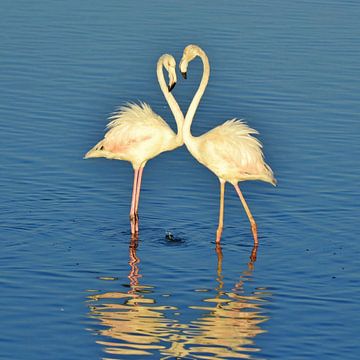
pixel 171 238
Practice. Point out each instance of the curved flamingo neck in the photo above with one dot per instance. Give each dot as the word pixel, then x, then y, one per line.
pixel 174 106
pixel 197 97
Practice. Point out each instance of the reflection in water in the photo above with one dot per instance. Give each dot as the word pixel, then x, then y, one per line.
pixel 137 326
pixel 132 320
pixel 230 322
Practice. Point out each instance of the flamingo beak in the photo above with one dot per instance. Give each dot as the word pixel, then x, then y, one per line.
pixel 170 87
pixel 184 74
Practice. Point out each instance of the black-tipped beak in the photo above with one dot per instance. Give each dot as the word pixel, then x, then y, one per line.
pixel 170 87
pixel 184 75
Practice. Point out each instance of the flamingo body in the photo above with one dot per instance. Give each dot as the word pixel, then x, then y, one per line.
pixel 231 153
pixel 135 134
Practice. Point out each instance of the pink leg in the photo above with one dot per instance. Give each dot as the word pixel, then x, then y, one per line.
pixel 248 213
pixel 133 200
pixel 138 187
pixel 221 212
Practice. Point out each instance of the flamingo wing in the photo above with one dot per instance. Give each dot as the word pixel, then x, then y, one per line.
pixel 232 153
pixel 133 114
pixel 135 133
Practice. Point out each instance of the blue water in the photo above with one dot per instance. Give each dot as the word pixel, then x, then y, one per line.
pixel 72 288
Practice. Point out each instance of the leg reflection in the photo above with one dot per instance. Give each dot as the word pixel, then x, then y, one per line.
pixel 134 268
pixel 219 278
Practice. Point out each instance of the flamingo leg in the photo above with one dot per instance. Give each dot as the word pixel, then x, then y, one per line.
pixel 221 212
pixel 248 213
pixel 138 187
pixel 133 201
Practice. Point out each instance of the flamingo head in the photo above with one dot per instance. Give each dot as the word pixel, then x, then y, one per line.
pixel 189 54
pixel 170 66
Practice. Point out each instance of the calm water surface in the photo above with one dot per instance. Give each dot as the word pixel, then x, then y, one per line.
pixel 73 285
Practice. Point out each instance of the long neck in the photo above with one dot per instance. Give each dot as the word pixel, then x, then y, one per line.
pixel 197 97
pixel 174 106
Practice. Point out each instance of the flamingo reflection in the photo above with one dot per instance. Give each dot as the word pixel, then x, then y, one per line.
pixel 133 322
pixel 228 324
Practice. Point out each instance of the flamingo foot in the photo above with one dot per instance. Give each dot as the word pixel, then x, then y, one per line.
pixel 218 235
pixel 132 224
pixel 253 254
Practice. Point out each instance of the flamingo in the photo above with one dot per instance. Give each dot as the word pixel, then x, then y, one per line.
pixel 228 150
pixel 137 134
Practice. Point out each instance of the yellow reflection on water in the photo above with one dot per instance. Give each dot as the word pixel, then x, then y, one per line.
pixel 135 325
pixel 131 319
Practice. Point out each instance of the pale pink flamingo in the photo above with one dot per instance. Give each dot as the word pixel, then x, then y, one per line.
pixel 228 150
pixel 137 134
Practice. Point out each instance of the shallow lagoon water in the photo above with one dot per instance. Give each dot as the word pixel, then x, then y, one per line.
pixel 71 285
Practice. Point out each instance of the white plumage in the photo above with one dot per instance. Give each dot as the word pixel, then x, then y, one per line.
pixel 232 153
pixel 135 134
